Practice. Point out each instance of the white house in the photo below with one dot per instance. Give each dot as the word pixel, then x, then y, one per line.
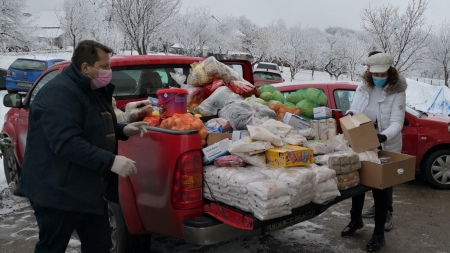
pixel 48 28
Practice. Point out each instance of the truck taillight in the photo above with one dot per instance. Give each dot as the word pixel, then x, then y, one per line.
pixel 188 181
pixel 8 72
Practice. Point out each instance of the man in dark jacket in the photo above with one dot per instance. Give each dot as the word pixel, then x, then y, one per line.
pixel 70 163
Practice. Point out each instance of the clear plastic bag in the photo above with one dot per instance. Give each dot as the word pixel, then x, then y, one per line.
pixel 241 189
pixel 245 176
pixel 205 72
pixel 348 177
pixel 268 211
pixel 343 162
pixel 282 201
pixel 327 186
pixel 308 133
pixel 297 177
pixel 323 173
pixel 348 184
pixel 222 175
pixel 276 127
pixel 247 145
pixel 179 78
pixel 195 96
pixel 305 190
pixel 339 143
pixel 271 172
pixel 218 100
pixel 301 201
pixel 369 156
pixel 294 138
pixel 240 114
pixel 268 189
pixel 319 147
pixel 255 160
pixel 208 172
pixel 261 134
pixel 229 161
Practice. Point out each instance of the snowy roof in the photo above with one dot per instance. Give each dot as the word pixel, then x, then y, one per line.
pixel 47 19
pixel 48 33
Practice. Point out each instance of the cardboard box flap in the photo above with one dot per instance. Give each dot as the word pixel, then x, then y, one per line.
pixel 357 120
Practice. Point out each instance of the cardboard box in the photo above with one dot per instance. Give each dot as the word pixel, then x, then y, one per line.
pixel 216 150
pixel 216 137
pixel 322 113
pixel 296 121
pixel 360 132
pixel 401 169
pixel 289 156
pixel 237 135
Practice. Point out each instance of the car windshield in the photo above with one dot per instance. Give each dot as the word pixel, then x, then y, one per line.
pixel 267 66
pixel 267 76
pixel 22 64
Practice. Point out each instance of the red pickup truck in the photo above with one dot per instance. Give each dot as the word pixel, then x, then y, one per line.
pixel 425 135
pixel 165 196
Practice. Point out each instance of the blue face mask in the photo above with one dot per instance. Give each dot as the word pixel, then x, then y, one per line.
pixel 379 81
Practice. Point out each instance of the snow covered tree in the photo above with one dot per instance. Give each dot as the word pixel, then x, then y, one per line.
pixel 257 42
pixel 439 50
pixel 293 47
pixel 76 19
pixel 313 48
pixel 355 54
pixel 401 35
pixel 335 56
pixel 13 31
pixel 142 21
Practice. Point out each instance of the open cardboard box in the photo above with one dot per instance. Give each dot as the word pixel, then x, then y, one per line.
pixel 360 132
pixel 401 169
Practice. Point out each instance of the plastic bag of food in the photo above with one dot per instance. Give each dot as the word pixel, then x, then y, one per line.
pixel 323 197
pixel 241 190
pixel 238 195
pixel 262 134
pixel 323 130
pixel 215 188
pixel 294 138
pixel 195 96
pixel 282 201
pixel 185 122
pixel 262 111
pixel 369 156
pixel 271 172
pixel 152 120
pixel 179 78
pixel 210 88
pixel 205 72
pixel 244 177
pixel 323 173
pixel 308 133
pixel 242 88
pixel 222 175
pixel 319 147
pixel 268 189
pixel 277 127
pixel 339 143
pixel 304 191
pixel 332 128
pixel 327 185
pixel 120 115
pixel 229 161
pixel 268 211
pixel 298 202
pixel 256 159
pixel 208 172
pixel 348 184
pixel 247 145
pixel 243 205
pixel 221 97
pixel 218 125
pixel 348 177
pixel 137 111
pixel 240 114
pixel 281 110
pixel 297 177
pixel 262 217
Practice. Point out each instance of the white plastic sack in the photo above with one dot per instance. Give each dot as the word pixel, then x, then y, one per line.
pixel 222 175
pixel 268 211
pixel 308 133
pixel 270 203
pixel 339 143
pixel 271 172
pixel 369 156
pixel 277 127
pixel 258 160
pixel 268 189
pixel 319 147
pixel 323 173
pixel 327 186
pixel 297 177
pixel 244 176
pixel 239 113
pixel 242 189
pixel 217 189
pixel 294 138
pixel 262 134
pixel 238 195
pixel 305 190
pixel 262 217
pixel 323 197
pixel 247 145
pixel 242 204
pixel 300 201
pixel 208 170
pixel 220 97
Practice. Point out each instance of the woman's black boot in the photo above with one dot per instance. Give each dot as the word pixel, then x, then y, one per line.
pixel 376 242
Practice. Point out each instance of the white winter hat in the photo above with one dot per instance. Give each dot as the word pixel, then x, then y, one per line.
pixel 380 63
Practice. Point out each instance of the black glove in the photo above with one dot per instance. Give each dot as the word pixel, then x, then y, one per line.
pixel 382 138
pixel 349 113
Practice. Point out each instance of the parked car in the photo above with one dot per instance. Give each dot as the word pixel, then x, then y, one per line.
pixel 157 199
pixel 266 76
pixel 23 72
pixel 268 65
pixel 425 135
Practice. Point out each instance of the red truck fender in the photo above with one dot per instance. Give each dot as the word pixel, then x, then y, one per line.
pixel 129 208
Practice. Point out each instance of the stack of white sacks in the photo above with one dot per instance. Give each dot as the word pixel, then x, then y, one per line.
pixel 269 192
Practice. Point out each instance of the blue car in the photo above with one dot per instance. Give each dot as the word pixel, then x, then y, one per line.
pixel 23 72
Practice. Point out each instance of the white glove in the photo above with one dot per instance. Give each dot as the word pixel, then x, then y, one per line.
pixel 123 166
pixel 135 128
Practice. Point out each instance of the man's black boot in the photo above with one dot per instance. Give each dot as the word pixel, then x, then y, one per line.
pixel 376 242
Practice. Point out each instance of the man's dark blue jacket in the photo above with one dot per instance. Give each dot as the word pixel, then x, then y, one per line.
pixel 67 162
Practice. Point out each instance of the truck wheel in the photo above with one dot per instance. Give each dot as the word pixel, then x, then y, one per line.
pixel 12 171
pixel 121 240
pixel 437 169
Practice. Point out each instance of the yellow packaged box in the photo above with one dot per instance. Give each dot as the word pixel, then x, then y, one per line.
pixel 289 156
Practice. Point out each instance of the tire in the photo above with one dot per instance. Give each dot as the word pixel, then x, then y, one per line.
pixel 437 169
pixel 12 171
pixel 121 240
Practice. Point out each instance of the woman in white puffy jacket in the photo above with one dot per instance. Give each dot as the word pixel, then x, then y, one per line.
pixel 381 97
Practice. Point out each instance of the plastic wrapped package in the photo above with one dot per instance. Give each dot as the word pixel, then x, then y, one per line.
pixel 348 184
pixel 369 156
pixel 268 189
pixel 195 97
pixel 297 177
pixel 208 171
pixel 218 189
pixel 348 177
pixel 247 145
pixel 340 161
pixel 323 197
pixel 261 134
pixel 308 133
pixel 243 205
pixel 281 201
pixel 242 88
pixel 332 128
pixel 255 160
pixel 281 110
pixel 305 190
pixel 242 189
pixel 268 211
pixel 339 143
pixel 276 127
pixel 245 176
pixel 229 161
pixel 218 100
pixel 222 175
pixel 271 216
pixel 327 185
pixel 271 172
pixel 316 128
pixel 385 159
pixel 210 88
pixel 323 173
pixel 319 147
pixel 298 202
pixel 218 125
pixel 294 138
pixel 137 111
pixel 323 130
pixel 238 195
pixel 205 72
pixel 240 114
pixel 263 111
pixel 178 77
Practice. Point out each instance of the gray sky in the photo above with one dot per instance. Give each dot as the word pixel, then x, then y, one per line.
pixel 312 13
